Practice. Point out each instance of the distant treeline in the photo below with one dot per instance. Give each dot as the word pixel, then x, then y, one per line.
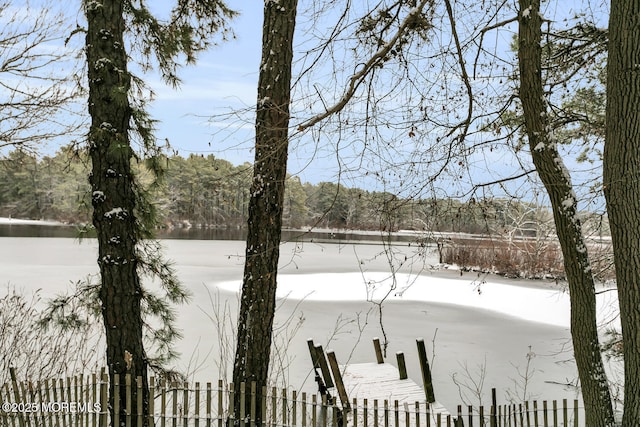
pixel 208 191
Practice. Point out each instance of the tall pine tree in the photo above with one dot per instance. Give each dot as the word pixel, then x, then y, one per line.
pixel 121 215
pixel 621 166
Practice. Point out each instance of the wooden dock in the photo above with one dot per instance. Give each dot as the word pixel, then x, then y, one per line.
pixel 378 385
pixel 381 381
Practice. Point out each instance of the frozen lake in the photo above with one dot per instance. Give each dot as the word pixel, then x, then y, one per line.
pixel 478 329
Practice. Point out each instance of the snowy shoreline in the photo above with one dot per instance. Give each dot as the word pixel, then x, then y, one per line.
pixel 529 303
pixel 19 221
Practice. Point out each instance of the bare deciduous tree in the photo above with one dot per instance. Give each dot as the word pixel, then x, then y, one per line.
pixel 38 75
pixel 266 203
pixel 552 171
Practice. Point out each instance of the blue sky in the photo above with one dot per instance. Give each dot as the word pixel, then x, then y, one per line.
pixel 212 111
pixel 196 117
pixel 224 78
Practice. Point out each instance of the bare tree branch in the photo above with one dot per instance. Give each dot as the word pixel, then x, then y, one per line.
pixel 39 77
pixel 465 77
pixel 356 79
pixel 503 180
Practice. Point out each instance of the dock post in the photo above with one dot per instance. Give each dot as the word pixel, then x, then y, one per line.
pixel 342 391
pixel 378 349
pixel 319 361
pixel 426 371
pixel 312 352
pixel 324 367
pixel 402 366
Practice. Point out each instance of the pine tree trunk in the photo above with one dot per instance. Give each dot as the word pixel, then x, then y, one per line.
pixel 621 169
pixel 556 179
pixel 113 196
pixel 257 305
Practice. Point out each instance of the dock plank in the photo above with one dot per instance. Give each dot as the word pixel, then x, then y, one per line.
pixel 381 381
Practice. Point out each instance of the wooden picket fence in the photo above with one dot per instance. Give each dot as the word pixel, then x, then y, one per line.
pixel 82 401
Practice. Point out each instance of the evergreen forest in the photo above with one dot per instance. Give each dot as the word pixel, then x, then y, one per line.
pixel 205 191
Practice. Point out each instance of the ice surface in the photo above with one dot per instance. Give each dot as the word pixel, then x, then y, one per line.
pixel 323 290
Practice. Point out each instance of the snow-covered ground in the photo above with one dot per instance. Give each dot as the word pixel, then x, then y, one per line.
pixel 536 304
pixel 481 331
pixel 17 221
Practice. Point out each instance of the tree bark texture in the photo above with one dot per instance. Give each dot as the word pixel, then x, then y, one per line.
pixel 113 195
pixel 257 305
pixel 621 172
pixel 557 181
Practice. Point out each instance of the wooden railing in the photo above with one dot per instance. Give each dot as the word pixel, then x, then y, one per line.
pixel 83 402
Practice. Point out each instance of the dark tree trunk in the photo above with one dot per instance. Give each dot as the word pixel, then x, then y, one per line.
pixel 556 179
pixel 257 306
pixel 621 168
pixel 113 195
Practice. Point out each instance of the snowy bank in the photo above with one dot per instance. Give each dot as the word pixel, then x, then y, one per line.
pixel 533 304
pixel 17 221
